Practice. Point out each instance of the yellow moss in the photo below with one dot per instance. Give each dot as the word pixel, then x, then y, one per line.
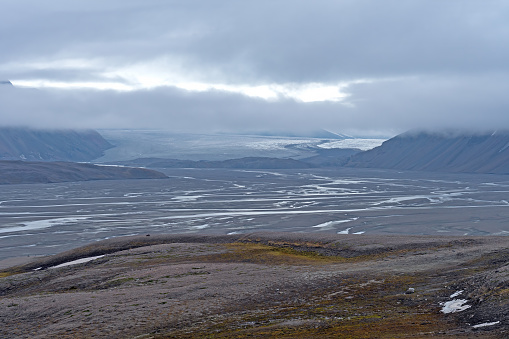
pixel 280 254
pixel 6 274
pixel 270 254
pixel 504 291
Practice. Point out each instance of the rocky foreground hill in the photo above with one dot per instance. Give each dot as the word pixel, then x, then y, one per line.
pixel 25 172
pixel 51 145
pixel 441 152
pixel 262 285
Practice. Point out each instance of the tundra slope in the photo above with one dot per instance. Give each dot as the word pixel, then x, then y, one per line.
pixel 273 285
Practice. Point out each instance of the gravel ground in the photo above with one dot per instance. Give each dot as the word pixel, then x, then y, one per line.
pixel 289 285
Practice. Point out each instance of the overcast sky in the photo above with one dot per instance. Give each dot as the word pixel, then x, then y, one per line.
pixel 358 67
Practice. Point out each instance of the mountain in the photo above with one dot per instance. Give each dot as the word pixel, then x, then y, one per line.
pixel 51 145
pixel 444 152
pixel 241 163
pixel 27 172
pixel 324 158
pixel 5 82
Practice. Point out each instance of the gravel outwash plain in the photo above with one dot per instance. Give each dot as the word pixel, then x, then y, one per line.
pixel 263 285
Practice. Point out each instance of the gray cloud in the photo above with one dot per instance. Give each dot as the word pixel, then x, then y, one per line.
pixel 434 102
pixel 387 107
pixel 433 63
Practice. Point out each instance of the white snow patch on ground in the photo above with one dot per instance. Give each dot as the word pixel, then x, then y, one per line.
pixel 486 324
pixel 455 294
pixel 345 231
pixel 78 261
pixel 456 305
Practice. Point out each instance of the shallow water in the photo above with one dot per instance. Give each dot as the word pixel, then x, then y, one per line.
pixel 50 218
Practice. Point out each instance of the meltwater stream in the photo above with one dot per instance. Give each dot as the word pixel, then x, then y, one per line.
pixel 50 218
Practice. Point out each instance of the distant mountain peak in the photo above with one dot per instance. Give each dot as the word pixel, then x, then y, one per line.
pixel 5 82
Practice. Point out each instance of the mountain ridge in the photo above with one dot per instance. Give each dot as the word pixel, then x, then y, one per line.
pixel 238 163
pixel 31 172
pixel 449 151
pixel 19 143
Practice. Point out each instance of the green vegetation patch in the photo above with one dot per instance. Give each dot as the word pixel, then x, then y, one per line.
pixel 6 274
pixel 276 254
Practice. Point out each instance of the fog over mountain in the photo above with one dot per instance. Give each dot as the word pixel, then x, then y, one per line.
pixel 360 67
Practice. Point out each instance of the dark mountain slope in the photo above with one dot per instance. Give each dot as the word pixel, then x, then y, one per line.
pixel 330 157
pixel 24 172
pixel 447 152
pixel 51 145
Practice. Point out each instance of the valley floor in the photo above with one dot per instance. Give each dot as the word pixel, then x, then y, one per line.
pixel 279 285
pixel 44 219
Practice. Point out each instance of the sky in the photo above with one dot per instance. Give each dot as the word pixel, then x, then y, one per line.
pixel 360 67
